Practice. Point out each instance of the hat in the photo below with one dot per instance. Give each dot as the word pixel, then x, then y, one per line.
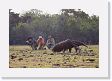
pixel 40 36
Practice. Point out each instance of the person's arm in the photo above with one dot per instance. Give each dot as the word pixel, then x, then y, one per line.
pixel 37 41
pixel 53 41
pixel 43 41
pixel 47 42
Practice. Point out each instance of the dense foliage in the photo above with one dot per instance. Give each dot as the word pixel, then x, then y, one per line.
pixel 69 23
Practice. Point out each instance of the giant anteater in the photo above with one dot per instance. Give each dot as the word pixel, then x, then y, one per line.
pixel 67 44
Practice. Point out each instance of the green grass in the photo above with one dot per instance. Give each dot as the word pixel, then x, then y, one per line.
pixel 25 57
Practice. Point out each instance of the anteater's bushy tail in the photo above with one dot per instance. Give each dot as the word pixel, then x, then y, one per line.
pixel 78 43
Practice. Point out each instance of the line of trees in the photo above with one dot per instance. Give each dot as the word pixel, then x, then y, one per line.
pixel 69 23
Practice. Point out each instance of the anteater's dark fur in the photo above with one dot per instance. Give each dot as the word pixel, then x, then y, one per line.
pixel 67 44
pixel 62 46
pixel 78 43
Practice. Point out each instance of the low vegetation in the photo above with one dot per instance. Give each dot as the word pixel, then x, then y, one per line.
pixel 24 57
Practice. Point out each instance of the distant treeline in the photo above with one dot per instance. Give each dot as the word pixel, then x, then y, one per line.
pixel 68 24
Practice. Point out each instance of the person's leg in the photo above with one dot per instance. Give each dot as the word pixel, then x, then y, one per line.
pixel 32 47
pixel 39 46
pixel 52 45
pixel 48 46
pixel 35 47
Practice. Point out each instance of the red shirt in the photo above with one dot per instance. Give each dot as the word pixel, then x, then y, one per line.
pixel 41 41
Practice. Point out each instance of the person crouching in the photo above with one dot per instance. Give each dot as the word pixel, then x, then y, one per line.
pixel 41 43
pixel 50 42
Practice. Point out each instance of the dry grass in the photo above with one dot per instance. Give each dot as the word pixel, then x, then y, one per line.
pixel 24 57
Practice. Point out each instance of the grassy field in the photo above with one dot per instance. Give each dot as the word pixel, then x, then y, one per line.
pixel 25 57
